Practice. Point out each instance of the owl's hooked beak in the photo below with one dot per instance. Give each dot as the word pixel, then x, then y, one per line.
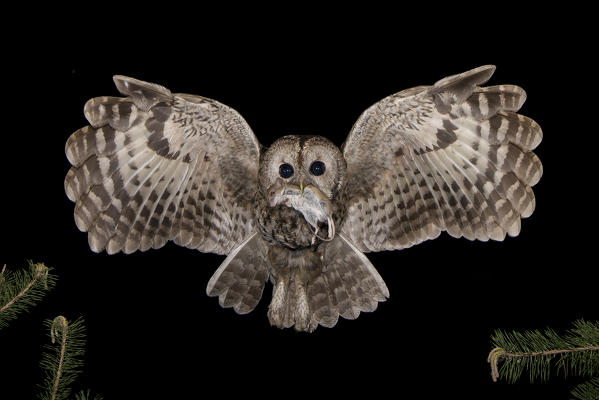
pixel 311 202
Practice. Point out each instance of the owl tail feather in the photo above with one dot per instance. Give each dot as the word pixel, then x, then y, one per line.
pixel 239 280
pixel 338 280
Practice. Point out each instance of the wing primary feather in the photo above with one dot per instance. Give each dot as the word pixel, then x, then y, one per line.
pixel 84 215
pixel 394 233
pixel 428 220
pixel 171 209
pixel 405 210
pixel 128 196
pixel 145 189
pixel 187 210
pixel 132 187
pixel 201 219
pixel 168 217
pixel 468 186
pixel 452 198
pixel 495 169
pixel 97 169
pixel 158 190
pixel 449 218
pixel 431 184
pixel 472 219
pixel 153 220
pixel 488 191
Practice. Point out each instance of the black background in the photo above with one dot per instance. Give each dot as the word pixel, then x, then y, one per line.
pixel 153 332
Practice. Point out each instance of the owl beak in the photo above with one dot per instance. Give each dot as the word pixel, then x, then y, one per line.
pixel 301 186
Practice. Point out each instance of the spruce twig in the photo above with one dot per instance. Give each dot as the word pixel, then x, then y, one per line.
pixel 575 353
pixel 21 290
pixel 86 395
pixel 498 353
pixel 588 390
pixel 62 360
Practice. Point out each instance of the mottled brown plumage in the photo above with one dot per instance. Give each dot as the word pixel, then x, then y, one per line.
pixel 156 166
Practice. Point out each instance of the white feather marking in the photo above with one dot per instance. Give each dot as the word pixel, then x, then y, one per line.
pixel 501 154
pixel 101 112
pixel 488 188
pixel 483 104
pixel 502 130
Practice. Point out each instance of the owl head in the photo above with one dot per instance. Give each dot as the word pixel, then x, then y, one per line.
pixel 305 173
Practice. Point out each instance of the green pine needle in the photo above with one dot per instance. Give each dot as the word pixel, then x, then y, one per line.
pixel 542 353
pixel 588 390
pixel 63 359
pixel 20 290
pixel 86 395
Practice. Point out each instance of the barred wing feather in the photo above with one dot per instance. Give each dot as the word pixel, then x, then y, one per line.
pixel 452 157
pixel 156 166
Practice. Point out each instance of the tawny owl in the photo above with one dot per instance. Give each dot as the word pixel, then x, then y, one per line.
pixel 156 166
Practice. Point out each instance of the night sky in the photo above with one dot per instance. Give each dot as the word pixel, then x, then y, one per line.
pixel 152 332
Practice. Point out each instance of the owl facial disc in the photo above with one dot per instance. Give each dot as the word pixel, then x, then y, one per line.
pixel 312 203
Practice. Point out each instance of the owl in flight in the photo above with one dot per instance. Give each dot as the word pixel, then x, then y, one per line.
pixel 156 166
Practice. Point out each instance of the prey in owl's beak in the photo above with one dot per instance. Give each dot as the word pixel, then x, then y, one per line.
pixel 312 203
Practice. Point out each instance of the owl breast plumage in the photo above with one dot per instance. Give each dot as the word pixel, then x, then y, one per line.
pixel 155 166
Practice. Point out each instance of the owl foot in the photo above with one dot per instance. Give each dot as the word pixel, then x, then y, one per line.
pixel 289 306
pixel 330 231
pixel 276 310
pixel 302 309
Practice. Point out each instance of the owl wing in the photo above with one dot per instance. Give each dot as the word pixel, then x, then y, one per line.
pixel 156 166
pixel 450 157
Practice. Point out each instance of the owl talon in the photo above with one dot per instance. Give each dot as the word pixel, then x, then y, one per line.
pixel 330 231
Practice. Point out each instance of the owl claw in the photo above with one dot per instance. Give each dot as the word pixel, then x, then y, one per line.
pixel 330 231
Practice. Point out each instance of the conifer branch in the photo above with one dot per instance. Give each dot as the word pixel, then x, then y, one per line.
pixel 587 391
pixel 498 353
pixel 86 395
pixel 63 359
pixel 21 290
pixel 575 353
pixel 59 323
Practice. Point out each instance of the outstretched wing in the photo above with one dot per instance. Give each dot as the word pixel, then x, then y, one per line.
pixel 157 166
pixel 451 157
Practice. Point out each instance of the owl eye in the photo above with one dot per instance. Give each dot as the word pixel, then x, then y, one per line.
pixel 285 170
pixel 317 168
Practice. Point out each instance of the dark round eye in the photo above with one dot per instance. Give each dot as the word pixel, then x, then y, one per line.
pixel 285 170
pixel 317 168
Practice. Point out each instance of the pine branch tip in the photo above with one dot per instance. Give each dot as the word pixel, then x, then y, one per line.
pixel 59 322
pixel 493 359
